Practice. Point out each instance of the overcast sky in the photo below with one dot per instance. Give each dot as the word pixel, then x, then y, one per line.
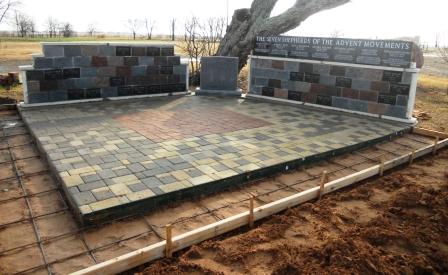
pixel 357 19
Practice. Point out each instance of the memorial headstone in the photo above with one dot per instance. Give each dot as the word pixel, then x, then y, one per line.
pixel 219 76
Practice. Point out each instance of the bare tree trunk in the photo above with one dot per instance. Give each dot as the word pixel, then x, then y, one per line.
pixel 247 24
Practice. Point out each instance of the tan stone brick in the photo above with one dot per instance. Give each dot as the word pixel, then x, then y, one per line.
pixel 71 181
pixel 82 170
pixel 126 179
pixel 100 205
pixel 71 160
pixel 140 195
pixel 200 180
pixel 120 189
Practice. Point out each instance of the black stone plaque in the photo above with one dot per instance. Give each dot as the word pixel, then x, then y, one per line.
pixel 399 89
pixel 93 93
pixel 75 94
pixel 311 78
pixel 323 100
pixel 267 91
pixel 34 75
pixel 153 51
pixel 166 70
pixel 393 53
pixel 153 70
pixel 306 68
pixel 167 51
pixel 123 51
pixel 169 88
pixel 343 82
pixel 53 74
pixel 275 83
pixel 117 81
pixel 48 85
pixel 131 61
pixel 139 90
pixel 124 91
pixel 296 76
pixel 387 99
pixel 392 76
pixel 71 73
pixel 153 89
pixel 293 95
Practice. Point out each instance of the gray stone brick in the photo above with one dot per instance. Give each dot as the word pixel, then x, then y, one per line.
pixel 106 71
pixel 91 185
pixel 109 92
pixel 33 86
pixel 115 61
pixel 67 84
pixel 407 78
pixel 42 62
pixel 260 81
pixel 103 194
pixel 82 61
pixel 152 182
pixel 84 83
pixel 72 50
pixel 329 80
pixel 396 111
pixel 84 198
pixel 54 96
pixel 106 50
pixel 138 70
pixel 291 66
pixel 137 187
pixel 88 72
pixel 180 69
pixel 299 86
pixel 146 60
pixel 321 69
pixel 100 82
pixel 136 167
pixel 361 84
pixel 89 50
pixel 402 100
pixel 63 62
pixel 53 50
pixel 38 97
pixel 340 102
pixel 91 178
pixel 358 105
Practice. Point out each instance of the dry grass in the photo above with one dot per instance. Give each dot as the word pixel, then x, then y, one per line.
pixel 12 51
pixel 430 82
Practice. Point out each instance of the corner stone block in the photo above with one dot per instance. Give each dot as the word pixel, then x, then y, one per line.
pixel 395 111
pixel 53 50
pixel 402 100
pixel 63 62
pixel 180 69
pixel 72 50
pixel 42 62
pixel 34 75
pixel 82 61
pixel 33 86
pixel 90 50
pixel 39 97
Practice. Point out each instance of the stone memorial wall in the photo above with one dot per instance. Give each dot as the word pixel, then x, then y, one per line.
pixel 379 90
pixel 73 71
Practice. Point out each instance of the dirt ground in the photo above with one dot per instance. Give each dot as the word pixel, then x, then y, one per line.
pixel 397 224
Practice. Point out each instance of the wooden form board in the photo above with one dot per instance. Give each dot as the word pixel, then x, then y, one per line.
pixel 156 251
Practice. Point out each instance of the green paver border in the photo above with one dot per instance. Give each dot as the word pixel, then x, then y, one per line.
pixel 141 206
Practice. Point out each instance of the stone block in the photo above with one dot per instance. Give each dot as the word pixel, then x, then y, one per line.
pixel 323 100
pixel 368 96
pixel 173 60
pixel 123 51
pixel 33 86
pixel 219 73
pixel 34 75
pixel 340 102
pixel 380 86
pixel 48 85
pixel 309 98
pixel 180 69
pixel 138 70
pixel 53 50
pixel 387 99
pixel 343 82
pixel 291 66
pixel 99 61
pixel 53 74
pixel 153 89
pixel 327 80
pixel 138 51
pixel 256 90
pixel 407 78
pixel 402 100
pixel 265 63
pixel 337 70
pixel 71 73
pixel 298 86
pixel 115 61
pixel 275 83
pixel 350 93
pixel 72 50
pixel 293 95
pixel 90 50
pixel 372 74
pixel 260 81
pixel 306 67
pixel 376 108
pixel 75 94
pixel 109 92
pixel 117 81
pixel 321 69
pixel 124 91
pixel 152 51
pixel 68 84
pixel 399 89
pixel 82 61
pixel 108 71
pixel 84 83
pixel 146 60
pixel 123 71
pixel 396 111
pixel 268 91
pixel 84 198
pixel 100 82
pixel 63 62
pixel 42 63
pixel 358 105
pixel 130 61
pixel 167 51
pixel 165 69
pixel 106 50
pixel 93 93
pixel 60 95
pixel 311 78
pixel 38 97
pixel 88 72
pixel 392 76
pixel 296 76
pixel 153 70
pixel 278 64
pixel 281 93
pixel 361 84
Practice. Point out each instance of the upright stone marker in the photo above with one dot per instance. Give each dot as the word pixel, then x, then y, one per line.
pixel 219 76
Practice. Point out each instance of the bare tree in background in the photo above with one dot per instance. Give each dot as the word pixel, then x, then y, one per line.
pixel 173 29
pixel 443 53
pixel 66 30
pixel 23 24
pixel 5 7
pixel 133 26
pixel 52 26
pixel 91 29
pixel 194 47
pixel 149 24
pixel 246 24
pixel 336 34
pixel 212 32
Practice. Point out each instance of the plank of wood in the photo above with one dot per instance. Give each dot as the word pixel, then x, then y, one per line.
pixel 429 133
pixel 156 251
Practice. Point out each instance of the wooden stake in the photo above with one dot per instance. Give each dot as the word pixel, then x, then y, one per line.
pixel 169 241
pixel 436 141
pixel 323 180
pixel 412 157
pixel 381 165
pixel 251 212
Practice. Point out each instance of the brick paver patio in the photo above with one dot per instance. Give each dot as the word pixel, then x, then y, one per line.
pixel 117 157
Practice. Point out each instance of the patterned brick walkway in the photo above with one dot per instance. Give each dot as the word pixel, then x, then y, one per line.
pixel 114 153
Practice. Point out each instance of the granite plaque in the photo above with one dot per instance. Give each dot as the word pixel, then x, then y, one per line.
pixel 323 100
pixel 219 73
pixel 392 76
pixel 152 51
pixel 75 94
pixel 153 89
pixel 123 51
pixel 267 91
pixel 53 74
pixel 393 53
pixel 343 82
pixel 124 91
pixel 293 95
pixel 387 99
pixel 71 73
pixel 312 78
pixel 93 93
pixel 296 76
pixel 399 89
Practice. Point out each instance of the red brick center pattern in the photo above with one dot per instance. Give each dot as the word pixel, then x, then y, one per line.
pixel 162 125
